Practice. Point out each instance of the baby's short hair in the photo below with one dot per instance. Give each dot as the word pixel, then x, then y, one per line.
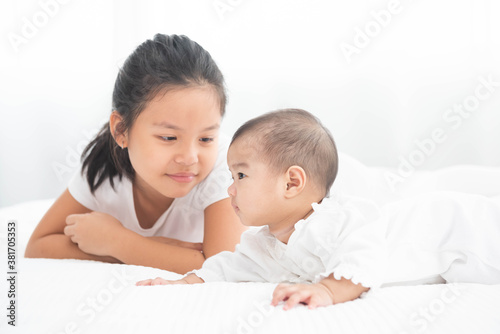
pixel 289 137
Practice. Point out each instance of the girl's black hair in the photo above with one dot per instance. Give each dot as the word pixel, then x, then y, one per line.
pixel 157 65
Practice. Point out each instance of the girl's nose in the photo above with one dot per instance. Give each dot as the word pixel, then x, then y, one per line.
pixel 187 155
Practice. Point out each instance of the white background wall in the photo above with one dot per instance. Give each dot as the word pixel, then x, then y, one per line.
pixel 407 65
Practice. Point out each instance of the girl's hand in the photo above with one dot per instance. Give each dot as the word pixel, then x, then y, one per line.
pixel 313 295
pixel 94 232
pixel 189 279
pixel 174 242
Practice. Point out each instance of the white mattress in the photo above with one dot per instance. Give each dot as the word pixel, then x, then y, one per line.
pixel 101 298
pixel 74 296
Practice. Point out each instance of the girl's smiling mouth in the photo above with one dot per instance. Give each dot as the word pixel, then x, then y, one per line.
pixel 182 177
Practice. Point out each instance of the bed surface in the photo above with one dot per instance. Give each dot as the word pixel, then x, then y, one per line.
pixel 74 296
pixel 91 297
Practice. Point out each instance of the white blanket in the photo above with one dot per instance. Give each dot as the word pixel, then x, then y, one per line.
pixel 73 296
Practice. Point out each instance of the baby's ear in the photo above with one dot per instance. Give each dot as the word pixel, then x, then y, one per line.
pixel 296 179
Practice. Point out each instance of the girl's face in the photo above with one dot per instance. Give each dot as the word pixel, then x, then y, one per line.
pixel 173 143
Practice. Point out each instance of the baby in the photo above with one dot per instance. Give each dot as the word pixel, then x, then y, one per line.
pixel 331 250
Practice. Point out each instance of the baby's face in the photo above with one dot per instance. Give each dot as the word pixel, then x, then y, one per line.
pixel 255 192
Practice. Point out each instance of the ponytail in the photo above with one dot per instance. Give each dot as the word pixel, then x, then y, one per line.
pixel 103 158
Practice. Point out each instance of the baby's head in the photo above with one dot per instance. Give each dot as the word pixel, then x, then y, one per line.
pixel 290 146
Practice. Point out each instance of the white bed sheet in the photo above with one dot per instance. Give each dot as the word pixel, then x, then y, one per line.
pixel 74 296
pixel 87 297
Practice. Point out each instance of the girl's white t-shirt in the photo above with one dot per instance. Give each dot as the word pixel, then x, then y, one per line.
pixel 183 220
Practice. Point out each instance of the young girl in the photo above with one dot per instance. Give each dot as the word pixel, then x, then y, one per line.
pixel 152 188
pixel 334 249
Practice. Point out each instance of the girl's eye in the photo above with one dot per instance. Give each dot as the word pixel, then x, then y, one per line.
pixel 206 140
pixel 169 138
pixel 241 176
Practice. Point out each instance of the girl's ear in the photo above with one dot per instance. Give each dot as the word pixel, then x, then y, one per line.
pixel 116 128
pixel 296 179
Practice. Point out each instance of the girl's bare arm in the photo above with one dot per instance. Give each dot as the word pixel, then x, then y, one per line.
pixel 223 228
pixel 48 239
pixel 222 232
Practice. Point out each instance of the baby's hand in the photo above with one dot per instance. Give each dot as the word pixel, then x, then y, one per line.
pixel 313 295
pixel 189 279
pixel 160 281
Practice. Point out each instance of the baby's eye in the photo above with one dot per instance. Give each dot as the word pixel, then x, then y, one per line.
pixel 206 140
pixel 241 176
pixel 168 138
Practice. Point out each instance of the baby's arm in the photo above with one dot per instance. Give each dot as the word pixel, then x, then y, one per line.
pixel 326 292
pixel 189 279
pixel 238 266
